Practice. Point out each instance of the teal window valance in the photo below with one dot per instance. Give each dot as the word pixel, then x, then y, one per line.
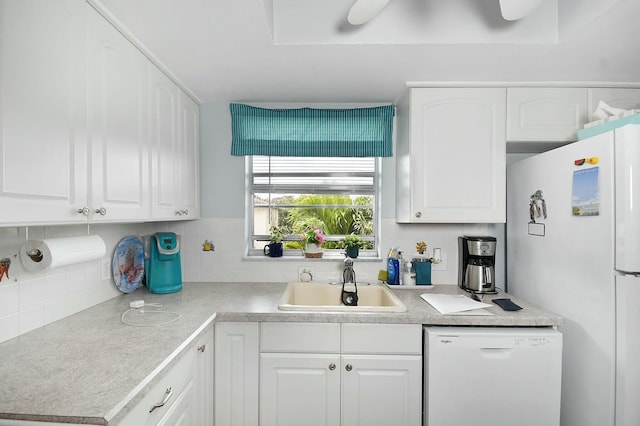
pixel 309 132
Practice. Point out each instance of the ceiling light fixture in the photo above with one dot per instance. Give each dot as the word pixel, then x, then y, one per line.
pixel 363 11
pixel 512 10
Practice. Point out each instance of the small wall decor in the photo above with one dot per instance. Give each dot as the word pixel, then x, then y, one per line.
pixel 5 264
pixel 208 246
pixel 537 209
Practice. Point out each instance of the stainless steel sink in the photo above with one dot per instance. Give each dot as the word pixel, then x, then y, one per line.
pixel 327 297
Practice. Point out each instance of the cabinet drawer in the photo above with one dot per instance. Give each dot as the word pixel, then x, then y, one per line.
pixel 178 379
pixel 300 337
pixel 382 339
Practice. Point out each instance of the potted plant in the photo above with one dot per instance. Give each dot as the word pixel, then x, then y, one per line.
pixel 352 244
pixel 312 241
pixel 274 248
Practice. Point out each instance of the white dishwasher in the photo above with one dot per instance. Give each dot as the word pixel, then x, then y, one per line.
pixel 492 376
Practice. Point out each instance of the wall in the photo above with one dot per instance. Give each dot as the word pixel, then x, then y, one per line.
pixel 223 207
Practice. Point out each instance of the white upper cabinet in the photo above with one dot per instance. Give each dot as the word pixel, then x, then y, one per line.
pixel 614 97
pixel 539 114
pixel 117 130
pixel 174 150
pixel 165 145
pixel 189 200
pixel 42 111
pixel 80 110
pixel 450 156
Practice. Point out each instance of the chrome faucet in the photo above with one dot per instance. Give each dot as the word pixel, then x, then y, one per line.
pixel 348 275
pixel 349 298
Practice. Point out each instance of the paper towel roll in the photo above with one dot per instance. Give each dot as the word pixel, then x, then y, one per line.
pixel 56 252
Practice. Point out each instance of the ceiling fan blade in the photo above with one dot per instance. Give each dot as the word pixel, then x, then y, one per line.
pixel 363 11
pixel 512 10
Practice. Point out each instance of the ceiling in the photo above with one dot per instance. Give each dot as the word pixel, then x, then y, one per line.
pixel 277 51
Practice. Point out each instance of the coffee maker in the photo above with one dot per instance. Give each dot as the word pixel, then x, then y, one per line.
pixel 477 259
pixel 162 268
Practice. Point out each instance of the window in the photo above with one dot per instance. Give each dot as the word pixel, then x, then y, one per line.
pixel 337 194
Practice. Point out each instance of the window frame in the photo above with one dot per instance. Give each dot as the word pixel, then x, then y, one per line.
pixel 328 253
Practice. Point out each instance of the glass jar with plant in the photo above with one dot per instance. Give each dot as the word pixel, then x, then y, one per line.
pixel 352 244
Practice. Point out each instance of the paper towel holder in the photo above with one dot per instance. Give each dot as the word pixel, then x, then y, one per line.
pixel 40 255
pixel 35 255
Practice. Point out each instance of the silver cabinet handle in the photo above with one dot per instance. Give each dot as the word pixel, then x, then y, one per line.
pixel 348 367
pixel 167 395
pixel 84 211
pixel 332 366
pixel 202 348
pixel 102 211
pixel 418 214
pixel 185 212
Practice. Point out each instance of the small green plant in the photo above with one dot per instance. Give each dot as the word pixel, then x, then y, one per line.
pixel 353 240
pixel 277 233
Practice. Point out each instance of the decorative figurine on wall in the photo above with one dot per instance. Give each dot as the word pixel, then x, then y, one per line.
pixel 5 264
pixel 536 203
pixel 537 208
pixel 208 246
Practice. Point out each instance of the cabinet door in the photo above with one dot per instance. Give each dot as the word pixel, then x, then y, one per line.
pixel 237 360
pixel 203 379
pixel 382 390
pixel 118 125
pixel 165 145
pixel 451 156
pixel 538 114
pixel 614 97
pixel 189 166
pixel 300 389
pixel 42 113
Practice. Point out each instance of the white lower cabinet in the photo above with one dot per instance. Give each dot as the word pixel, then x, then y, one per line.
pixel 381 390
pixel 236 373
pixel 340 377
pixel 299 389
pixel 184 396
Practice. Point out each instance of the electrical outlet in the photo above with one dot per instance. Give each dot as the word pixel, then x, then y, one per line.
pixel 442 266
pixel 306 273
pixel 106 269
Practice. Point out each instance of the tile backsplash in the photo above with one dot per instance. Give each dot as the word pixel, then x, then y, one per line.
pixel 31 300
pixel 228 263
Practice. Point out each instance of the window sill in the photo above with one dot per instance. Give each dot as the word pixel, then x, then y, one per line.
pixel 295 258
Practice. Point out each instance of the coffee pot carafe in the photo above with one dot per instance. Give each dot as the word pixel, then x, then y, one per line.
pixel 477 257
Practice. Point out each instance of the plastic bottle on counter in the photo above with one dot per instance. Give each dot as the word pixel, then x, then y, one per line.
pixel 407 277
pixel 401 264
pixel 392 267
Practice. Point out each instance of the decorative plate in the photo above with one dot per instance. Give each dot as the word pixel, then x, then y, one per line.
pixel 128 264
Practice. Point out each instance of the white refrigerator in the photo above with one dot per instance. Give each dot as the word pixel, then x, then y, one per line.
pixel 582 261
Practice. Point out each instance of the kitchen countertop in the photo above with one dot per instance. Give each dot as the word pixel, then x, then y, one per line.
pixel 91 368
